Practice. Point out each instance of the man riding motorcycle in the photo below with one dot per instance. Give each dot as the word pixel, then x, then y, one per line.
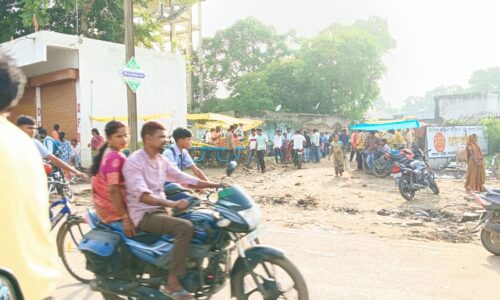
pixel 145 173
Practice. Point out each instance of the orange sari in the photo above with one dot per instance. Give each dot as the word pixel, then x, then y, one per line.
pixel 476 175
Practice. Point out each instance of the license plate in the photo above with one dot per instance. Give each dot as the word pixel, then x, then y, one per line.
pixel 398 175
pixel 256 233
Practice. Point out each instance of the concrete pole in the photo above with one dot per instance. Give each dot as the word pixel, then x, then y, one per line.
pixel 129 53
pixel 200 56
pixel 172 28
pixel 189 56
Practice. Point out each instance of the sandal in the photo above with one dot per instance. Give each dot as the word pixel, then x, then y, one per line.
pixel 178 295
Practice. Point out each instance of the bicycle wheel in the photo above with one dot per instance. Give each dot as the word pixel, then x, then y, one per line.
pixel 496 166
pixel 69 236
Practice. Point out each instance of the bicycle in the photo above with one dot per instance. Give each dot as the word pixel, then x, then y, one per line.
pixel 495 165
pixel 58 184
pixel 67 244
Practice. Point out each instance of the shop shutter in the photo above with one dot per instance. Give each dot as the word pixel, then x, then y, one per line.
pixel 58 103
pixel 26 106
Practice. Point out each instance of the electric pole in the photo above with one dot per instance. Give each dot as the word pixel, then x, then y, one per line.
pixel 129 53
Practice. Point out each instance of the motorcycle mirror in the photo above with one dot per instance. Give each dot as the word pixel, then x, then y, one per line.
pixel 231 167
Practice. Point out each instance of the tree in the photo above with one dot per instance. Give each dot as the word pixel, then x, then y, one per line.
pixel 98 19
pixel 426 105
pixel 342 67
pixel 246 46
pixel 487 80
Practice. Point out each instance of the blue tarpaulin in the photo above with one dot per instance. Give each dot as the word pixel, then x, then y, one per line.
pixel 382 126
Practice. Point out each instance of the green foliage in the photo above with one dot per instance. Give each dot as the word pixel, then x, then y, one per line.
pixel 98 19
pixel 246 46
pixel 339 68
pixel 487 80
pixel 492 126
pixel 426 105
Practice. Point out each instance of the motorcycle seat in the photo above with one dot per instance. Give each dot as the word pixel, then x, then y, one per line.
pixel 493 201
pixel 490 190
pixel 140 236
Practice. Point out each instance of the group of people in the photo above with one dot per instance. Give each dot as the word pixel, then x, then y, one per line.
pixel 365 144
pixel 214 135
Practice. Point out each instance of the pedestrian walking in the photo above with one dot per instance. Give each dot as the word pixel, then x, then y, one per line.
pixel 261 149
pixel 252 152
pixel 476 175
pixel 278 145
pixel 315 142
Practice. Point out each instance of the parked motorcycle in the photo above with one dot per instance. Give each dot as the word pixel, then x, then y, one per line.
pixel 414 176
pixel 490 220
pixel 384 165
pixel 137 267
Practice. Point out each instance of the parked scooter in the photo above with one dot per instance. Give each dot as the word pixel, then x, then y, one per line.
pixel 490 219
pixel 414 176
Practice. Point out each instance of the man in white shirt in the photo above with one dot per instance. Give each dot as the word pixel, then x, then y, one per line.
pixel 178 153
pixel 315 141
pixel 277 145
pixel 298 141
pixel 251 147
pixel 27 125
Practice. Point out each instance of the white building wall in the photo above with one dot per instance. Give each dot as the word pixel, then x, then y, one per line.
pixel 103 92
pixel 462 106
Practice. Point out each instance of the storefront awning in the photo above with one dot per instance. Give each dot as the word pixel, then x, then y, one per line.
pixel 388 125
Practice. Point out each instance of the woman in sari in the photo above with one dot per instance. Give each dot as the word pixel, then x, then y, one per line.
pixel 476 175
pixel 108 185
pixel 338 155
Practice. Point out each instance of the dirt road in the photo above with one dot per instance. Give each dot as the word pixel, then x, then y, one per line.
pixel 356 266
pixel 356 238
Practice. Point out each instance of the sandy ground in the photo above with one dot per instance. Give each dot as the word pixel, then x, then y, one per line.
pixel 355 237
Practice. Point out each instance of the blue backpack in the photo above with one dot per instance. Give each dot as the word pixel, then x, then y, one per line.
pixel 56 145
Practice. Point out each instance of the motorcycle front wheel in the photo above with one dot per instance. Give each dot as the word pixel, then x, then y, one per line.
pixel 380 169
pixel 434 188
pixel 491 241
pixel 279 278
pixel 404 189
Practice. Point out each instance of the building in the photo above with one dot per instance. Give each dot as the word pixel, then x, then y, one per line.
pixel 71 79
pixel 467 106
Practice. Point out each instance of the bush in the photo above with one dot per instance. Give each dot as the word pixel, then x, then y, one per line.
pixel 492 128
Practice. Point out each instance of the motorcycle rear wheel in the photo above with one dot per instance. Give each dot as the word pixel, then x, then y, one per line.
pixel 270 284
pixel 405 191
pixel 491 241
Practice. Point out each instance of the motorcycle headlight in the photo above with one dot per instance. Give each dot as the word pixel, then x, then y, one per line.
pixel 252 216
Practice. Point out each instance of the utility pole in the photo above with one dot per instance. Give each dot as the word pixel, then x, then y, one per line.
pixel 200 57
pixel 129 53
pixel 189 57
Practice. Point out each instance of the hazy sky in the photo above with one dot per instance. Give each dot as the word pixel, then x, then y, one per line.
pixel 438 42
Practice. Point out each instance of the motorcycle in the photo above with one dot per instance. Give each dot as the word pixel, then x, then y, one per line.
pixel 298 158
pixel 384 165
pixel 490 220
pixel 414 176
pixel 137 267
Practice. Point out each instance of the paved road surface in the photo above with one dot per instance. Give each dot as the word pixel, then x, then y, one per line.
pixel 353 266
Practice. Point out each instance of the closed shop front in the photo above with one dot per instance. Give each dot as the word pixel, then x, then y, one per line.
pixel 26 105
pixel 58 106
